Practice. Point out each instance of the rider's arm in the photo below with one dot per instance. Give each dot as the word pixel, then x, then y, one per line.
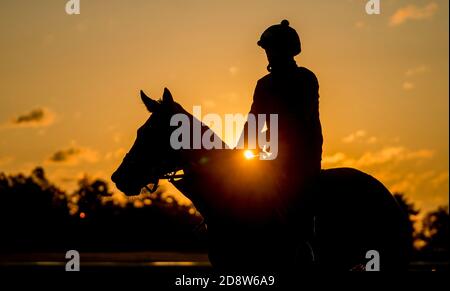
pixel 255 109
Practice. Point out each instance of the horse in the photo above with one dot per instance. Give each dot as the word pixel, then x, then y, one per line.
pixel 349 217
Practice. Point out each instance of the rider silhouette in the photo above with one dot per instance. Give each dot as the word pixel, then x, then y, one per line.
pixel 291 92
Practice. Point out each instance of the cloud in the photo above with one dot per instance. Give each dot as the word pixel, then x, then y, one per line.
pixel 408 86
pixel 334 159
pixel 73 156
pixel 398 168
pixel 410 74
pixel 233 70
pixel 359 136
pixel 417 184
pixel 372 139
pixel 417 71
pixel 411 182
pixel 440 179
pixel 354 136
pixel 412 12
pixel 392 154
pixel 117 154
pixel 39 117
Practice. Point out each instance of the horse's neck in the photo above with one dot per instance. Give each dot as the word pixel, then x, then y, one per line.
pixel 197 162
pixel 198 165
pixel 195 156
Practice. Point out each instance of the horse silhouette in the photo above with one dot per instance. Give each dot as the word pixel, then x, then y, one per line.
pixel 349 212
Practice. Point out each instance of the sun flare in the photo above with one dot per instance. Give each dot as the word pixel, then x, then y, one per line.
pixel 248 154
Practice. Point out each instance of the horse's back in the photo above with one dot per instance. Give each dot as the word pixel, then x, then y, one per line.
pixel 354 214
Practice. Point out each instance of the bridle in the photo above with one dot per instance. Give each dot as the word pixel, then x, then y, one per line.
pixel 170 175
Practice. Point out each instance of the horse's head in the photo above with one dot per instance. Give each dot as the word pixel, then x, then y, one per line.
pixel 151 155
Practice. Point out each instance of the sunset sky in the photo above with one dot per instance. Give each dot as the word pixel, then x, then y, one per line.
pixel 69 83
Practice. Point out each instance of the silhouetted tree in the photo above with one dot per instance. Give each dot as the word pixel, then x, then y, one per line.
pixel 31 209
pixel 435 230
pixel 410 209
pixel 89 196
pixel 34 214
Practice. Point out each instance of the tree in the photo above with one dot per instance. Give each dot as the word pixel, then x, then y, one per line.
pixel 31 209
pixel 435 230
pixel 410 209
pixel 89 196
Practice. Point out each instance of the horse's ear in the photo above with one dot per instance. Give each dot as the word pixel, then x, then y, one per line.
pixel 167 96
pixel 151 104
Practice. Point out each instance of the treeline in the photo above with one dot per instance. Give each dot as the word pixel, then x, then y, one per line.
pixel 430 234
pixel 37 215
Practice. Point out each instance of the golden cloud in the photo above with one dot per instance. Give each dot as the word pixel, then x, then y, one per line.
pixel 117 154
pixel 408 86
pixel 386 155
pixel 359 136
pixel 412 12
pixel 73 156
pixel 417 71
pixel 440 179
pixel 39 117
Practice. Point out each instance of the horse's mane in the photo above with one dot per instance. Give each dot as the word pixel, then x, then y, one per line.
pixel 204 126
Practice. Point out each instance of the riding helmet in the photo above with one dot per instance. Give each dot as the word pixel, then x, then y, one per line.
pixel 281 38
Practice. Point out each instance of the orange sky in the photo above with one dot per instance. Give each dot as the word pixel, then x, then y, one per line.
pixel 69 84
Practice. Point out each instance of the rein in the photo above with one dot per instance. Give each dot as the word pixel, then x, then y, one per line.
pixel 169 176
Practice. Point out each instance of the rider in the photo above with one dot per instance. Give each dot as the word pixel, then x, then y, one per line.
pixel 291 92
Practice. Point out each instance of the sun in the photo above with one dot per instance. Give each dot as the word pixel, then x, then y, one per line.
pixel 248 154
